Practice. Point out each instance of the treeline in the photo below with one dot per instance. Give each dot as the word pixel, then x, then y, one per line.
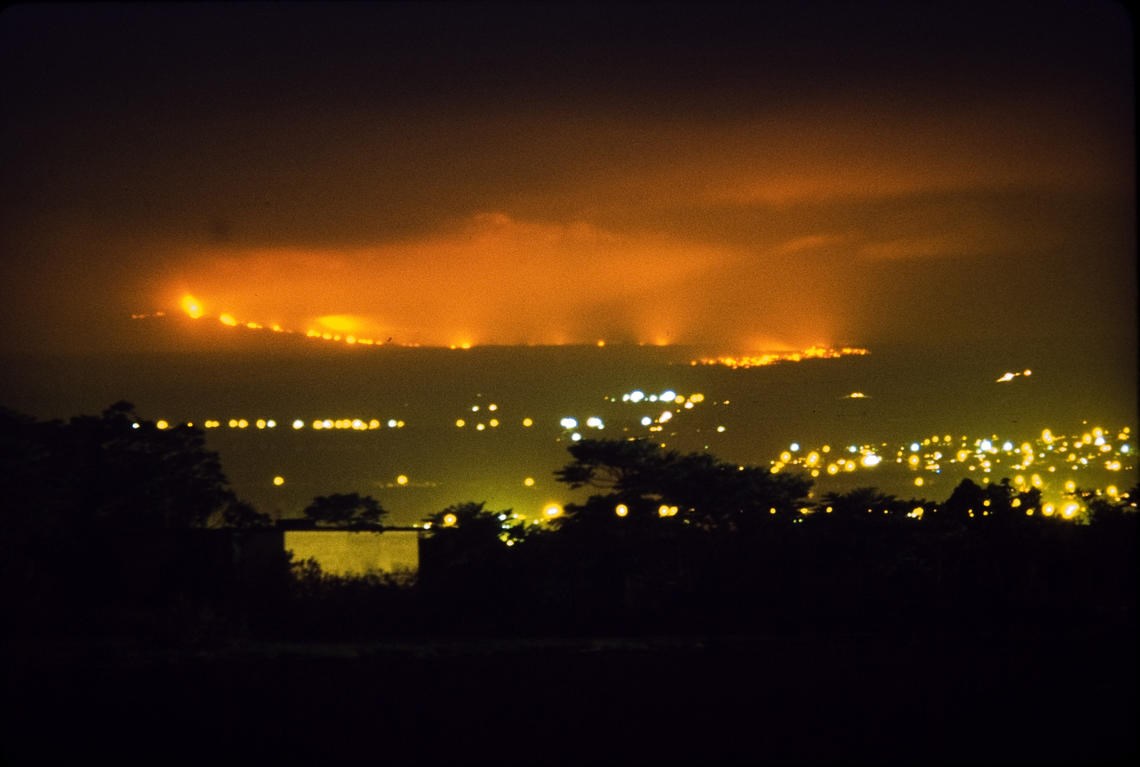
pixel 110 526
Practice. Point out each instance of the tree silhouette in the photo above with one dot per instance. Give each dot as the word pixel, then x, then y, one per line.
pixel 116 470
pixel 350 510
pixel 692 488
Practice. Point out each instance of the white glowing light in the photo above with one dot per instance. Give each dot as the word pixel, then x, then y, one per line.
pixel 569 423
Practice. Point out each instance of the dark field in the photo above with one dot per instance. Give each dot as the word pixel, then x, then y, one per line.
pixel 1001 698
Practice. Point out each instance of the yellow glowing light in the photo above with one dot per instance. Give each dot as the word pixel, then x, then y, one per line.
pixel 191 306
pixel 1070 486
pixel 1070 509
pixel 460 423
pixel 919 482
pixel 260 423
pixel 528 482
pixel 870 460
pixel 528 422
pixel 621 510
pixel 449 520
pixel 161 424
pixel 278 481
pixel 402 480
pixel 228 319
pixel 339 323
pixel 1048 509
pixel 552 510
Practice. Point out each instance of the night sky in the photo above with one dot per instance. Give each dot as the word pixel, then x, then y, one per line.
pixel 755 176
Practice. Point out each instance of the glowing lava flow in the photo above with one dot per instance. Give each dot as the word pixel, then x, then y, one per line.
pixel 338 329
pixel 193 308
pixel 771 358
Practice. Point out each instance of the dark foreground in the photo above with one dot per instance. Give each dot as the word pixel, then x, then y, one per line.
pixel 1067 697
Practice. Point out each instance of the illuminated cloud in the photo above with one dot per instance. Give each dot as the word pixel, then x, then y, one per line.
pixel 490 279
pixel 749 177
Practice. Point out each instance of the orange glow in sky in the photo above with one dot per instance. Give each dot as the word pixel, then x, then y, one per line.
pixel 740 179
pixel 500 280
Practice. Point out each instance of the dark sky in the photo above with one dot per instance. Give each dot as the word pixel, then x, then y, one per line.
pixel 760 175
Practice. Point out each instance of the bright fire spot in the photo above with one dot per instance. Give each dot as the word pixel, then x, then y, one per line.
pixel 278 481
pixel 191 306
pixel 552 510
pixel 339 323
pixel 227 319
pixel 402 480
